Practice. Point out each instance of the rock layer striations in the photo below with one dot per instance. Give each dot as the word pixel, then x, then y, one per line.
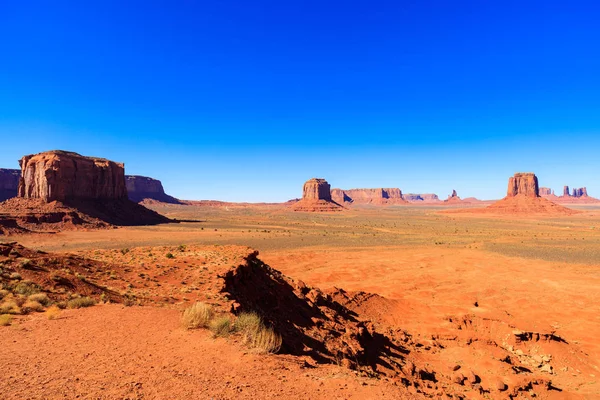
pixel 66 176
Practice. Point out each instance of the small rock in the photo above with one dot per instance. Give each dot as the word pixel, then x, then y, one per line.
pixel 501 386
pixel 546 368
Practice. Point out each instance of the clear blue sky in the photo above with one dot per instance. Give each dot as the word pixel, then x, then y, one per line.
pixel 245 100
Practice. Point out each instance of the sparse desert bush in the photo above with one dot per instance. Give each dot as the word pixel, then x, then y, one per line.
pixel 52 312
pixel 197 316
pixel 15 275
pixel 10 307
pixel 41 298
pixel 81 302
pixel 247 323
pixel 266 340
pixel 26 288
pixel 5 319
pixel 32 306
pixel 221 326
pixel 3 293
pixel 256 335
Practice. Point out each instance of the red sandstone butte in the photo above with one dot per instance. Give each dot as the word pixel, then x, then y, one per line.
pixel 523 183
pixel 316 197
pixel 523 198
pixel 67 176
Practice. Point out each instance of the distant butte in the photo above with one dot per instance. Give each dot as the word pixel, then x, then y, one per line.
pixel 377 196
pixel 316 197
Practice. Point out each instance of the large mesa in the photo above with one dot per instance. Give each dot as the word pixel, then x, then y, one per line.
pixel 523 183
pixel 377 196
pixel 140 188
pixel 9 183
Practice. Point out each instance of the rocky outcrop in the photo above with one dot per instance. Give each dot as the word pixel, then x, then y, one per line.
pixel 140 188
pixel 580 192
pixel 9 183
pixel 316 197
pixel 61 190
pixel 523 198
pixel 316 189
pixel 525 184
pixel 378 196
pixel 544 191
pixel 566 191
pixel 66 176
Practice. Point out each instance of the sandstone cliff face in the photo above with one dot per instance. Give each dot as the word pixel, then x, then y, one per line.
pixel 316 197
pixel 316 189
pixel 66 176
pixel 525 184
pixel 369 196
pixel 421 197
pixel 9 183
pixel 140 188
pixel 566 191
pixel 544 191
pixel 580 192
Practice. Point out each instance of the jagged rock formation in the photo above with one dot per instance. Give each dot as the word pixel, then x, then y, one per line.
pixel 425 198
pixel 64 190
pixel 580 192
pixel 453 198
pixel 140 188
pixel 316 197
pixel 578 196
pixel 67 176
pixel 566 191
pixel 525 184
pixel 9 183
pixel 377 196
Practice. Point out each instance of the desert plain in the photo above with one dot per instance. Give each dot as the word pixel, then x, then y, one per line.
pixel 470 305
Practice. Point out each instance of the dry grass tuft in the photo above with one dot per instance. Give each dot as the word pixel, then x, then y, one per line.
pixel 53 312
pixel 41 298
pixel 221 326
pixel 26 288
pixel 197 316
pixel 81 302
pixel 256 335
pixel 32 306
pixel 5 319
pixel 10 307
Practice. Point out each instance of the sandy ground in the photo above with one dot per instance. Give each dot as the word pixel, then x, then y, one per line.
pixel 465 282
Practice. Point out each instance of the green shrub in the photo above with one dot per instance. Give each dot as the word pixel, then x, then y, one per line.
pixel 26 288
pixel 221 326
pixel 169 255
pixel 41 298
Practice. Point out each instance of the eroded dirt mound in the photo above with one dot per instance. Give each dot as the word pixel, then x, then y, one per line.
pixel 316 206
pixel 522 204
pixel 59 276
pixel 353 330
pixel 19 215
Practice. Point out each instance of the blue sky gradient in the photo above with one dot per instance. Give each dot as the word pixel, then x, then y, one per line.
pixel 244 101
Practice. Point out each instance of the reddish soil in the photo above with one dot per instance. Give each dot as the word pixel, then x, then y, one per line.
pixel 316 206
pixel 521 205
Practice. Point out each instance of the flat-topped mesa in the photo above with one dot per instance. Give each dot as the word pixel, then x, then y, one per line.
pixel 369 196
pixel 9 183
pixel 544 191
pixel 140 188
pixel 316 189
pixel 67 176
pixel 525 184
